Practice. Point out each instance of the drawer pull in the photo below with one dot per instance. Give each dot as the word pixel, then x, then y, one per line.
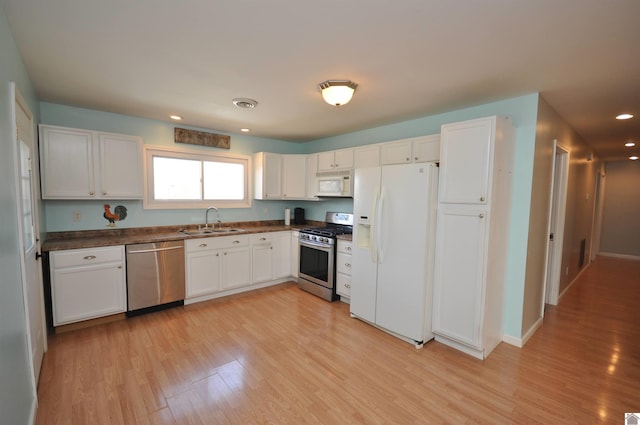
pixel 120 267
pixel 236 241
pixel 89 257
pixel 104 193
pixel 91 193
pixel 481 215
pixel 347 285
pixel 482 199
pixel 263 239
pixel 347 264
pixel 348 248
pixel 202 245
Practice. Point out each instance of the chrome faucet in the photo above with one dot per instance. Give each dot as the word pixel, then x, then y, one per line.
pixel 206 216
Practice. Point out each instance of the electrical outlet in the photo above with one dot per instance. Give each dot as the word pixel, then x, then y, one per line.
pixel 77 216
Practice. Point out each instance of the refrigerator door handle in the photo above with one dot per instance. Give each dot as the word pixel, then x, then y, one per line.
pixel 372 229
pixel 379 227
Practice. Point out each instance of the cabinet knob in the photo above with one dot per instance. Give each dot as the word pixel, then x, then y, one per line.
pixel 348 248
pixel 481 215
pixel 120 267
pixel 217 254
pixel 415 158
pixel 482 199
pixel 347 285
pixel 225 253
pixel 104 193
pixel 347 264
pixel 89 257
pixel 91 193
pixel 408 159
pixel 202 245
pixel 263 239
pixel 236 241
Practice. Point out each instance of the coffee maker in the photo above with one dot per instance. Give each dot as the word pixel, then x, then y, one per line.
pixel 298 216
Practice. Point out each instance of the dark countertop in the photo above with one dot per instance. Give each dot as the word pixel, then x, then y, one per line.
pixel 57 241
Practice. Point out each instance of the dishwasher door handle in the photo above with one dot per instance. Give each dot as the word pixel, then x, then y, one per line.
pixel 142 251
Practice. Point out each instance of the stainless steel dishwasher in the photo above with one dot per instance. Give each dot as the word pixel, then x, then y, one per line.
pixel 155 276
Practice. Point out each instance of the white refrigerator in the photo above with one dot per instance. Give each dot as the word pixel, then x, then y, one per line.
pixel 394 211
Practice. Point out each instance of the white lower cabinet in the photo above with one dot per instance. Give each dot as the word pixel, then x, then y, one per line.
pixel 223 265
pixel 262 257
pixel 87 283
pixel 343 268
pixel 295 254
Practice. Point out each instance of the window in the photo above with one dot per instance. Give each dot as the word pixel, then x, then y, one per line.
pixel 181 178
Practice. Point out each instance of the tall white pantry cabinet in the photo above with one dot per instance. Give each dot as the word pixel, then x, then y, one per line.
pixel 474 208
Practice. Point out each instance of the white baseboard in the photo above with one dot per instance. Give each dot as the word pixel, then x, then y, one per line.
pixel 520 342
pixel 622 256
pixel 572 282
pixel 234 291
pixel 512 340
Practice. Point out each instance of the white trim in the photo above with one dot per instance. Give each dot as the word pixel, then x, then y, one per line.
pixel 196 155
pixel 573 281
pixel 240 290
pixel 622 256
pixel 520 342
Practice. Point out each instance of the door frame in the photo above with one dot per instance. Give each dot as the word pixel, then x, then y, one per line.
pixel 18 100
pixel 557 210
pixel 598 207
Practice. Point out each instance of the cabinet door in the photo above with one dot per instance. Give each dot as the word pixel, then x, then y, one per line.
pixel 66 163
pixel 203 271
pixel 426 148
pixel 326 161
pixel 295 254
pixel 312 180
pixel 81 293
pixel 343 263
pixel 283 255
pixel 272 176
pixel 465 151
pixel 343 285
pixel 459 275
pixel 396 152
pixel 236 267
pixel 262 261
pixel 343 159
pixel 366 156
pixel 294 185
pixel 120 166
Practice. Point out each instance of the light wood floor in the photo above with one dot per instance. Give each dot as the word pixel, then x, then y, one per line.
pixel 282 356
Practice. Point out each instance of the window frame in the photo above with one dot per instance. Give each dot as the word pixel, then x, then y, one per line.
pixel 197 155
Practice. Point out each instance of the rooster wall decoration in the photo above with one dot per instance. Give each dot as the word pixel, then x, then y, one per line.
pixel 119 213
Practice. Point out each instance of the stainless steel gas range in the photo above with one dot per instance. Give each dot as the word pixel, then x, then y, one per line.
pixel 317 245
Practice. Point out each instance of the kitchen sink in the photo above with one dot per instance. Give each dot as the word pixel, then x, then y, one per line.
pixel 209 231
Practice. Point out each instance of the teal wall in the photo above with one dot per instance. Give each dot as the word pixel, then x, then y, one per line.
pixel 16 386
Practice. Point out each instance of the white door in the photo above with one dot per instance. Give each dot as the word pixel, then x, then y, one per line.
pixel 26 182
pixel 556 224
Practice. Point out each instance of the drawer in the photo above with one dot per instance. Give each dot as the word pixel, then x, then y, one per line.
pixel 343 263
pixel 261 238
pixel 87 257
pixel 345 246
pixel 343 285
pixel 204 244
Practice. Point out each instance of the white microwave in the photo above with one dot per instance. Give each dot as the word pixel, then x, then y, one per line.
pixel 335 184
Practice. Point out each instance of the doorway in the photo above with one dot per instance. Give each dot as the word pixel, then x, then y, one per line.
pixel 26 183
pixel 557 208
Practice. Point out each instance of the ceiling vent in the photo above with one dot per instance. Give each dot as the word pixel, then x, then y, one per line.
pixel 242 102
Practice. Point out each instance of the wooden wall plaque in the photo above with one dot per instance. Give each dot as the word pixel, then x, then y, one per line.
pixel 193 137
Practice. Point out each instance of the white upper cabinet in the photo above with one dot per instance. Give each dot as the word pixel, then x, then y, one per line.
pixel 366 156
pixel 341 159
pixel 83 164
pixel 426 149
pixel 267 175
pixel 418 149
pixel 466 151
pixel 294 176
pixel 312 169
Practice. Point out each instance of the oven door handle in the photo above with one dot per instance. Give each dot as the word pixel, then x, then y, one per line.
pixel 321 246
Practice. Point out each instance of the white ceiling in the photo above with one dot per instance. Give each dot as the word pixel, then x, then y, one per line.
pixel 411 58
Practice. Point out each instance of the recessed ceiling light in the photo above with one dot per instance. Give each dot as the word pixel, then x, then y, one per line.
pixel 629 144
pixel 244 102
pixel 245 130
pixel 175 117
pixel 624 116
pixel 634 157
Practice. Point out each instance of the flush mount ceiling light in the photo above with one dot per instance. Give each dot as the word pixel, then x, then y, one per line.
pixel 624 117
pixel 337 92
pixel 630 144
pixel 245 103
pixel 634 157
pixel 175 117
